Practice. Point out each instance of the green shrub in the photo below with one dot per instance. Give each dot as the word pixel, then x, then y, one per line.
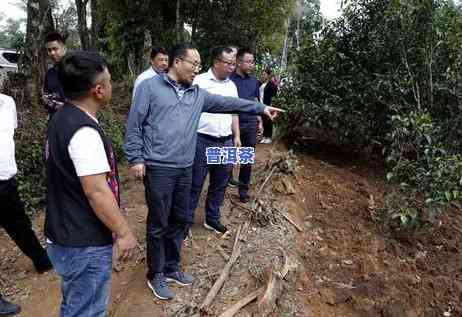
pixel 29 140
pixel 388 73
pixel 113 126
pixel 429 176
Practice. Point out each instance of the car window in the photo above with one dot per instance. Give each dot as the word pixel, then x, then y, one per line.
pixel 11 57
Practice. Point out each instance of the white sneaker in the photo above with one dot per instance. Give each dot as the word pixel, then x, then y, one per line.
pixel 266 141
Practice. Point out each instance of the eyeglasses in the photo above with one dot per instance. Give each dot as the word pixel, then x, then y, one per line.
pixel 196 65
pixel 229 64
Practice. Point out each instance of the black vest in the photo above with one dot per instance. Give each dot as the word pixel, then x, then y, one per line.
pixel 70 220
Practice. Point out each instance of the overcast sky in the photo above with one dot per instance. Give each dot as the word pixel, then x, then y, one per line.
pixel 329 8
pixel 12 11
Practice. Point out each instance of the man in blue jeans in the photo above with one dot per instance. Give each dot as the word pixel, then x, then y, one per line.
pixel 82 213
pixel 160 146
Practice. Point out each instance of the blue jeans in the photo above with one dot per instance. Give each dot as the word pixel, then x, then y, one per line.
pixel 85 279
pixel 218 180
pixel 167 196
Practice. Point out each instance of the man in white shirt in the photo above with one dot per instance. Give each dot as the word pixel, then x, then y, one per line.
pixel 13 217
pixel 159 64
pixel 215 130
pixel 83 222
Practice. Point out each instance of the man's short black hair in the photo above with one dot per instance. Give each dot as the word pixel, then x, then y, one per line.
pixel 77 72
pixel 217 52
pixel 55 36
pixel 242 51
pixel 158 50
pixel 179 51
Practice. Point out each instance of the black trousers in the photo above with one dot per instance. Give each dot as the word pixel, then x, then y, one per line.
pixel 267 127
pixel 14 220
pixel 248 139
pixel 169 218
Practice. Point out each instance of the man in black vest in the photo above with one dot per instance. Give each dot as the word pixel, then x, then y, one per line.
pixel 83 213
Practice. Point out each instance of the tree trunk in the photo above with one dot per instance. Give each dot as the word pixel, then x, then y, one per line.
pixel 81 6
pixel 33 61
pixel 95 25
pixel 132 72
pixel 285 49
pixel 146 50
pixel 195 20
pixel 179 26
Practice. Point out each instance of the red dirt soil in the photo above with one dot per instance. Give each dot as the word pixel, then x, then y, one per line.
pixel 348 267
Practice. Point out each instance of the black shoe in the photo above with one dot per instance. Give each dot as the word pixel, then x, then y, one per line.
pixel 7 308
pixel 244 198
pixel 215 226
pixel 233 183
pixel 43 266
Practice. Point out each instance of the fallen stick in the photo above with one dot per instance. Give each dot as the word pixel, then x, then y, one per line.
pixel 223 253
pixel 273 289
pixel 288 265
pixel 230 312
pixel 239 205
pixel 273 169
pixel 267 300
pixel 286 217
pixel 224 273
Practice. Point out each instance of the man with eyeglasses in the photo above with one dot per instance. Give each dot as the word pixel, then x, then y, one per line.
pixel 160 146
pixel 247 88
pixel 159 64
pixel 215 130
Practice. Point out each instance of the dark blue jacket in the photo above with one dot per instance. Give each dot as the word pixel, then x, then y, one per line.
pixel 247 88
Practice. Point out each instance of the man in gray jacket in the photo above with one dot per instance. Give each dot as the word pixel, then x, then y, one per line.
pixel 160 146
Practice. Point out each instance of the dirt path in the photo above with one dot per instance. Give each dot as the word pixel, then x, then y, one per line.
pixel 346 266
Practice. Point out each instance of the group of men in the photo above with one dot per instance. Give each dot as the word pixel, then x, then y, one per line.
pixel 176 114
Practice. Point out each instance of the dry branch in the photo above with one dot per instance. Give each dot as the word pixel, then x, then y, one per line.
pixel 266 293
pixel 273 169
pixel 225 272
pixel 287 217
pixel 230 312
pixel 267 300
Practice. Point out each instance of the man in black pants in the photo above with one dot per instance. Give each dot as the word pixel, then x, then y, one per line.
pixel 249 124
pixel 13 217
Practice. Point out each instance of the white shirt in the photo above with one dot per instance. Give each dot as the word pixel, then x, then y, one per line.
pixel 86 150
pixel 262 92
pixel 216 124
pixel 8 123
pixel 148 73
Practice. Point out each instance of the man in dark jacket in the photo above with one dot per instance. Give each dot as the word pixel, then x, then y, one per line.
pixel 53 93
pixel 249 124
pixel 160 146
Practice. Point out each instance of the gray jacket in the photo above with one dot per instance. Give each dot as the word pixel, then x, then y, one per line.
pixel 162 127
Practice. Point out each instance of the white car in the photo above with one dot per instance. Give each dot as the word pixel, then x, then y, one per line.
pixel 8 60
pixel 8 63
